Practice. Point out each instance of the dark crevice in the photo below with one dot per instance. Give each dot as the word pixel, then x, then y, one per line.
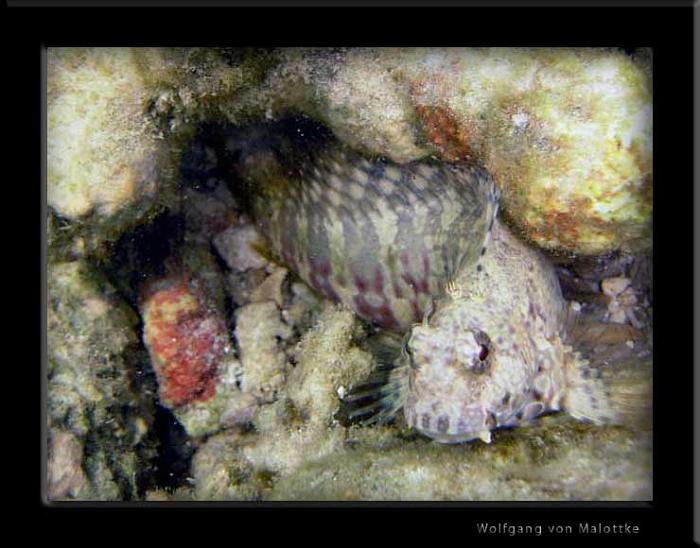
pixel 171 468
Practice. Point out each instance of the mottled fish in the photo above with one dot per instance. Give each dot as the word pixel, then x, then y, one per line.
pixel 494 352
pixel 382 238
pixel 418 249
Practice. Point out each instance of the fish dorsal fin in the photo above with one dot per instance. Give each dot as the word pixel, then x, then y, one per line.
pixel 454 286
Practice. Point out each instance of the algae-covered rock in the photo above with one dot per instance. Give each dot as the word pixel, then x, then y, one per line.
pixel 220 473
pixel 96 388
pixel 259 327
pixel 296 428
pixel 328 364
pixel 186 333
pixel 544 462
pixel 66 478
pixel 106 163
pixel 228 407
pixel 366 105
pixel 565 132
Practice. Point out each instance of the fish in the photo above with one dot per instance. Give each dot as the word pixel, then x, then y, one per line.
pixel 382 238
pixel 495 352
pixel 476 324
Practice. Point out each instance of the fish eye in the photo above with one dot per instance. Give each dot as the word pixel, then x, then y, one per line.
pixel 483 353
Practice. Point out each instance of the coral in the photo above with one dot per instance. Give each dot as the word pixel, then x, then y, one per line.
pixel 186 341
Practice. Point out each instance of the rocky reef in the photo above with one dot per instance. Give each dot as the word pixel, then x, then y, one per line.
pixel 188 361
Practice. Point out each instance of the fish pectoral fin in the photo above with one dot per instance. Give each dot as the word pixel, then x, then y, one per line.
pixel 485 436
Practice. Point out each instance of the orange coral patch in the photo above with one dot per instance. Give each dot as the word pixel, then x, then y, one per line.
pixel 186 340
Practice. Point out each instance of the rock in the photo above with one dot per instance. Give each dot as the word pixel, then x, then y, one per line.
pixel 192 354
pixel 271 288
pixel 327 359
pixel 186 338
pixel 302 312
pixel 66 478
pixel 221 474
pixel 622 302
pixel 236 245
pixel 565 133
pixel 107 166
pixel 96 388
pixel 264 364
pixel 241 285
pixel 118 120
pixel 358 95
pixel 549 461
pixel 208 214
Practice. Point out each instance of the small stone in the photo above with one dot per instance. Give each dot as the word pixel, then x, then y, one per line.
pixel 65 474
pixel 235 247
pixel 271 288
pixel 241 409
pixel 615 286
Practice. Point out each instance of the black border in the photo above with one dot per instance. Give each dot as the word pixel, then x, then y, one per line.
pixel 668 30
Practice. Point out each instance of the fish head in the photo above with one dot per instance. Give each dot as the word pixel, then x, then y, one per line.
pixel 449 383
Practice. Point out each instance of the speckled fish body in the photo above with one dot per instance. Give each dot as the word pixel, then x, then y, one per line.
pixel 382 238
pixel 493 352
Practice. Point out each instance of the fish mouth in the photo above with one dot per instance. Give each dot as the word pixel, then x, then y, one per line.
pixel 451 439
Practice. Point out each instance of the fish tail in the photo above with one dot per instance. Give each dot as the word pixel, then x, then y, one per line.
pixel 587 397
pixel 605 396
pixel 630 394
